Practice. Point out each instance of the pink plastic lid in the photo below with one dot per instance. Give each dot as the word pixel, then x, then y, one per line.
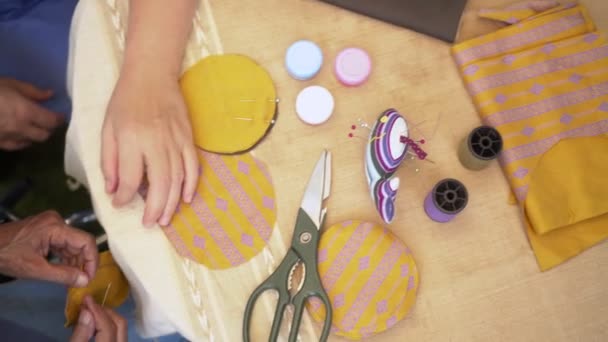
pixel 352 66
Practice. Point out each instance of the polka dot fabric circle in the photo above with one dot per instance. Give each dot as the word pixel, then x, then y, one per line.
pixel 370 276
pixel 232 215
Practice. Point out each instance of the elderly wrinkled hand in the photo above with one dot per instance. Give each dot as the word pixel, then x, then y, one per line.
pixel 23 120
pixel 26 244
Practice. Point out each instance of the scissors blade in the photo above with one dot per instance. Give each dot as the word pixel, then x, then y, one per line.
pixel 318 189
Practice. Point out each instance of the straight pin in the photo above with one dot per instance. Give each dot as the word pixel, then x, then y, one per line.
pixel 254 100
pixel 105 296
pixel 252 119
pixel 377 137
pixel 414 156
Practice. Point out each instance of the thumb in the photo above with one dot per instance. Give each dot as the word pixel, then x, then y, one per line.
pixel 85 328
pixel 64 274
pixel 31 91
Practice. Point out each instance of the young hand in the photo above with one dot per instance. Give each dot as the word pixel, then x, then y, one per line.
pixel 147 132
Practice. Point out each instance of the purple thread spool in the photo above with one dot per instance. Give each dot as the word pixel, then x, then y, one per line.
pixel 448 198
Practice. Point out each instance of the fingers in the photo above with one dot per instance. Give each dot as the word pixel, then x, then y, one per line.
pixel 104 326
pixel 159 176
pixel 80 244
pixel 175 190
pixel 192 172
pixel 120 323
pixel 130 171
pixel 109 158
pixel 30 90
pixel 42 117
pixel 62 274
pixel 35 133
pixel 14 145
pixel 85 328
pixel 109 326
pixel 33 123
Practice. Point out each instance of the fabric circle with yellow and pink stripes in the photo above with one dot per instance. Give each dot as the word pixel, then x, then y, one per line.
pixel 232 215
pixel 370 276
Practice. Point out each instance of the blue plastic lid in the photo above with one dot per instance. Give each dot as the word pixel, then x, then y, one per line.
pixel 303 60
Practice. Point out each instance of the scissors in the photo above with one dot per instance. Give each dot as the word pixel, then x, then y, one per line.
pixel 303 251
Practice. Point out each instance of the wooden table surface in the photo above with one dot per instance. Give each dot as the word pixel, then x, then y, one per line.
pixel 479 277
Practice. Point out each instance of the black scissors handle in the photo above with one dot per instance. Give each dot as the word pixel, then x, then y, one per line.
pixel 276 281
pixel 303 250
pixel 299 302
pixel 307 248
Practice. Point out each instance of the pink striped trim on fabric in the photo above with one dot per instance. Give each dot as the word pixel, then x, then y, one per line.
pixel 223 173
pixel 407 294
pixel 263 168
pixel 346 254
pixel 234 222
pixel 212 260
pixel 547 105
pixel 215 230
pixel 552 123
pixel 369 329
pixel 404 301
pixel 538 69
pixel 179 244
pixel 371 287
pixel 314 302
pixel 393 291
pixel 521 192
pixel 255 185
pixel 542 146
pixel 517 41
pixel 352 280
pixel 544 50
pixel 554 84
pixel 231 218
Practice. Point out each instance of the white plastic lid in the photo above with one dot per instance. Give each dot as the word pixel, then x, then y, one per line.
pixel 314 105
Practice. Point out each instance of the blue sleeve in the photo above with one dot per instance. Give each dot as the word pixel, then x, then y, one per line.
pixel 34 40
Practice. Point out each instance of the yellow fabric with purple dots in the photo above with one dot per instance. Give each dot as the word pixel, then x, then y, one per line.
pixel 232 215
pixel 370 276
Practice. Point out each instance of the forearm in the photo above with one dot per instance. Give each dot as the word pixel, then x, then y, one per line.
pixel 157 36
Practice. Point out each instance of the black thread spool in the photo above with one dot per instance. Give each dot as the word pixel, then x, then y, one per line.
pixel 480 147
pixel 448 198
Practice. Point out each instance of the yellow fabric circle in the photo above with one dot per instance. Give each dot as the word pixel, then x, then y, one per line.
pixel 109 288
pixel 232 215
pixel 370 276
pixel 231 101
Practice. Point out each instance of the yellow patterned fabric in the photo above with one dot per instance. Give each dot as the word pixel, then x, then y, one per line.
pixel 109 288
pixel 232 215
pixel 231 101
pixel 543 83
pixel 370 276
pixel 519 11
